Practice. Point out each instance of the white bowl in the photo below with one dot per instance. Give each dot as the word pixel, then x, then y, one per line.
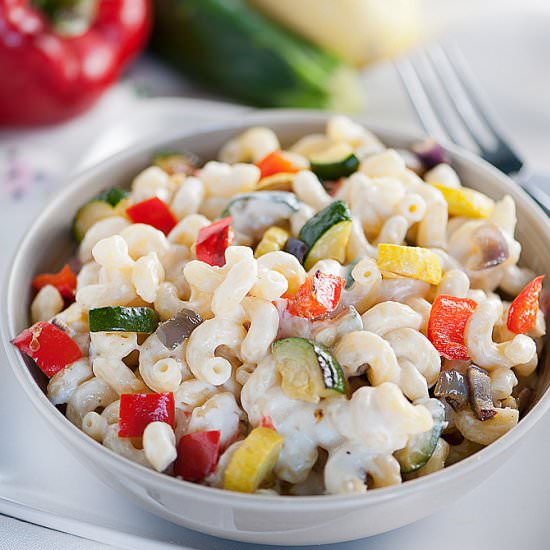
pixel 257 518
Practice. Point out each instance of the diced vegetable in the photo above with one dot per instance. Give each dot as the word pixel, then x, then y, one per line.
pixel 50 347
pixel 429 153
pixel 327 234
pixel 309 372
pixel 274 163
pixel 253 462
pixel 420 447
pixel 277 182
pixel 492 245
pixel 453 388
pixel 213 241
pixel 110 203
pixel 339 161
pixel 254 212
pixel 481 398
pixel 319 294
pixel 349 268
pixel 267 422
pixel 179 327
pixel 113 196
pixel 198 455
pixel 123 319
pixel 177 163
pixel 226 43
pixel 327 331
pixel 153 212
pixel 137 410
pixel 448 318
pixel 522 314
pixel 463 201
pixel 297 248
pixel 410 261
pixel 274 239
pixel 64 280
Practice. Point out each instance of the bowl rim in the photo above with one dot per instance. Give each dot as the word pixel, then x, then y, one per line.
pixel 82 443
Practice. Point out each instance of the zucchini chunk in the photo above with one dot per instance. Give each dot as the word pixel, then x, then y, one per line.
pixel 339 161
pixel 112 196
pixel 420 447
pixel 123 319
pixel 107 204
pixel 254 213
pixel 327 234
pixel 309 371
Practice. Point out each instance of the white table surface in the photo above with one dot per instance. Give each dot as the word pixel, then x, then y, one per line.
pixel 508 511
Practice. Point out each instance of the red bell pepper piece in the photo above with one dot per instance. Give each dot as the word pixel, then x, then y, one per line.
pixel 50 347
pixel 213 241
pixel 137 410
pixel 267 422
pixel 153 212
pixel 64 281
pixel 522 314
pixel 319 294
pixel 274 163
pixel 54 76
pixel 447 324
pixel 198 455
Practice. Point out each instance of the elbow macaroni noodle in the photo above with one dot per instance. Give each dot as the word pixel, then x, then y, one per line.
pixel 224 375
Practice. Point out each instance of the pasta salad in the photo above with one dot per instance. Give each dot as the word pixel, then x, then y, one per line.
pixel 327 318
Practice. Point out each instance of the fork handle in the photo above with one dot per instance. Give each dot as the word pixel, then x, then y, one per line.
pixel 537 186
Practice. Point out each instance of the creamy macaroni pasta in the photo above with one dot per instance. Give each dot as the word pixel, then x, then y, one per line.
pixel 326 317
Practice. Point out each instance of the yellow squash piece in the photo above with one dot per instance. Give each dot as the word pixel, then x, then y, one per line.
pixel 274 239
pixel 253 461
pixel 94 211
pixel 282 181
pixel 331 245
pixel 410 261
pixel 463 201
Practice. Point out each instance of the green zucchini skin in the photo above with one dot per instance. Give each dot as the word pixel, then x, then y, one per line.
pixel 123 319
pixel 253 213
pixel 301 353
pixel 240 52
pixel 112 196
pixel 317 226
pixel 331 171
pixel 420 447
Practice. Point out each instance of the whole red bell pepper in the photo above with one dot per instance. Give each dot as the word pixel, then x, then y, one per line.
pixel 49 75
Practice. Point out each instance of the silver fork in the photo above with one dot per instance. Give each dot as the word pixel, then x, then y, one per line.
pixel 450 106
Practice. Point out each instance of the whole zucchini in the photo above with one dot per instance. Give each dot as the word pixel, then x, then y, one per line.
pixel 240 52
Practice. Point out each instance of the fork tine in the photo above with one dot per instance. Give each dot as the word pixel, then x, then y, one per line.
pixel 419 99
pixel 463 101
pixel 442 104
pixel 458 66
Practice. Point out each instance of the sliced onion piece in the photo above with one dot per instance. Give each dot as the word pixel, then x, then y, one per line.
pixel 179 327
pixel 453 388
pixel 481 399
pixel 492 245
pixel 429 153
